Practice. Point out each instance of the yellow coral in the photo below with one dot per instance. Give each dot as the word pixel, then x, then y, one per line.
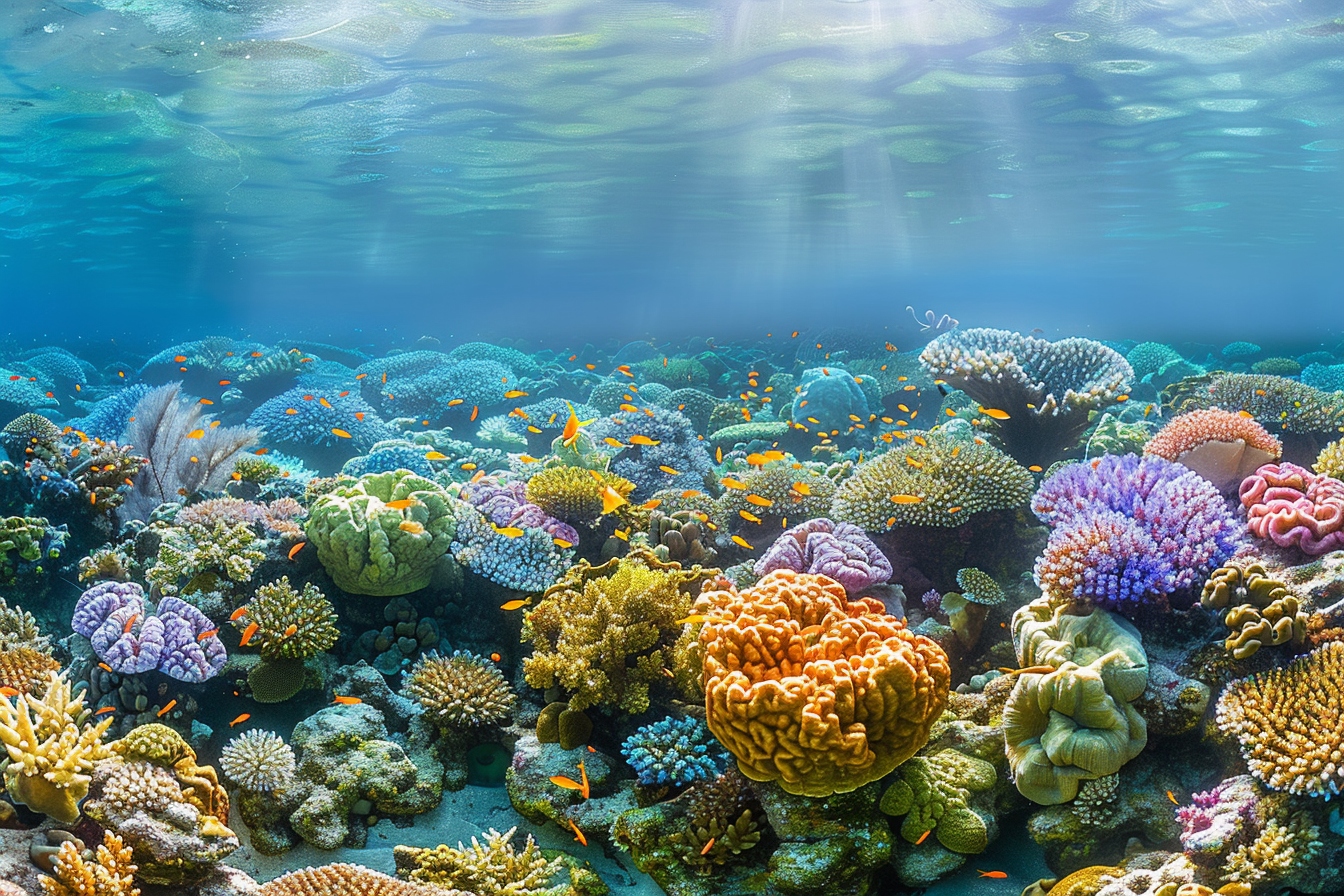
pixel 1260 611
pixel 812 691
pixel 50 750
pixel 1330 462
pixel 342 879
pixel 164 747
pixel 110 874
pixel 26 670
pixel 492 868
pixel 574 494
pixel 1283 844
pixel 276 607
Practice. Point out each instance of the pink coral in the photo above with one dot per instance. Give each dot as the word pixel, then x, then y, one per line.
pixel 1295 507
pixel 1219 445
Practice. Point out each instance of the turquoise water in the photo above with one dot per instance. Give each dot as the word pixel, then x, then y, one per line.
pixel 627 165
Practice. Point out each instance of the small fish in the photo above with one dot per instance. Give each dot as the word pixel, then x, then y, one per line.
pixel 412 527
pixel 742 543
pixel 359 415
pixel 691 493
pixel 671 471
pixel 207 634
pixel 611 499
pixel 8 691
pixel 1247 414
pixel 455 402
pixel 629 408
pixel 692 619
pixel 614 443
pixel 241 719
pixel 494 657
pixel 1028 670
pixel 248 633
pixel 997 415
pixel 535 430
pixel 749 516
pixel 922 837
pixel 1171 796
pixel 436 455
pixel 956 508
pixel 340 433
pixel 996 875
pixel 802 488
pixel 206 401
pixel 528 459
pixel 360 376
pixel 291 630
pixel 730 482
pixel 475 410
pixel 294 551
pixel 652 504
pixel 759 501
pixel 515 604
pixel 180 358
pixel 324 402
pixel 709 844
pixel 622 534
pixel 566 782
pixel 236 614
pixel 102 712
pixel 509 531
pixel 346 701
pixel 562 544
pixel 1035 468
pixel 515 393
pixel 130 622
pixel 718 455
pixel 643 440
pixel 906 499
pixel 917 464
pixel 401 503
pixel 105 667
pixel 196 434
pixel 578 834
pixel 167 709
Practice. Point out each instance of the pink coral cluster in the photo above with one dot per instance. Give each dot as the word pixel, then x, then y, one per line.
pixel 1219 445
pixel 1295 507
pixel 278 517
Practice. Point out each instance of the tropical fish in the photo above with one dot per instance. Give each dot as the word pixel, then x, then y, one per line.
pixel 730 482
pixel 749 516
pixel 494 657
pixel 515 604
pixel 669 470
pixel 102 712
pixel 400 504
pixel 527 459
pixel 906 499
pixel 802 488
pixel 643 440
pixel 291 630
pixel 562 544
pixel 1171 796
pixel 996 875
pixel 346 701
pixel 200 433
pixel 652 504
pixel 509 531
pixel 922 837
pixel 742 542
pixel 294 551
pixel 515 393
pixel 759 501
pixel 690 620
pixel 997 415
pixel 578 834
pixel 611 499
pixel 248 633
pixel 8 691
pixel 207 634
pixel 236 614
pixel 130 622
pixel 709 844
pixel 168 708
pixel 340 433
pixel 105 667
pixel 241 719
pixel 436 455
pixel 691 493
pixel 412 527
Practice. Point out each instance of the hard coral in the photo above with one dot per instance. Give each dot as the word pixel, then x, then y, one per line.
pixel 1260 611
pixel 812 691
pixel 573 494
pixel 1294 507
pixel 461 691
pixel 290 625
pixel 932 793
pixel 109 873
pixel 492 868
pixel 177 639
pixel 341 879
pixel 1219 445
pixel 940 483
pixel 838 550
pixel 257 760
pixel 674 752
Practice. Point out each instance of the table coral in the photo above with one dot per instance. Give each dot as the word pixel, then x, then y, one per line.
pixel 110 873
pixel 1287 405
pixel 933 792
pixel 50 749
pixel 811 690
pixel 1288 722
pixel 603 633
pixel 1219 445
pixel 943 482
pixel 368 547
pixel 1045 389
pixel 1076 722
pixel 1294 507
pixel 840 551
pixel 1259 611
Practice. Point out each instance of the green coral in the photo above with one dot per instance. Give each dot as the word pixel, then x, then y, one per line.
pixel 775 482
pixel 674 372
pixel 258 470
pixel 932 794
pixel 1272 400
pixel 715 842
pixel 492 868
pixel 200 558
pixel 942 482
pixel 604 633
pixel 370 548
pixel 22 544
pixel 1259 611
pixel 278 606
pixel 572 493
pixel 760 430
pixel 1112 435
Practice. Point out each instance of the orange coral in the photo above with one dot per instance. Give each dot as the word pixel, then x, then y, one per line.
pixel 811 690
pixel 345 880
pixel 1219 445
pixel 26 670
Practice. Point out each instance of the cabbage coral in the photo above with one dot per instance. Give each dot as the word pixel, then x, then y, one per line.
pixel 943 482
pixel 370 548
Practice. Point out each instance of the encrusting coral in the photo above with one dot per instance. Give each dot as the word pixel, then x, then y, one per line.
pixel 808 689
pixel 932 793
pixel 50 749
pixel 110 873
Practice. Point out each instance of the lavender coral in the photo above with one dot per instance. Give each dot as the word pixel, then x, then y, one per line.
pixel 839 550
pixel 178 639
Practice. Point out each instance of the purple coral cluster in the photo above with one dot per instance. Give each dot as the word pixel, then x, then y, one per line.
pixel 505 503
pixel 1218 820
pixel 839 550
pixel 112 616
pixel 1129 531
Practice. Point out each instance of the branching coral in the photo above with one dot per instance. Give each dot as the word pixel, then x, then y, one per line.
pixel 674 752
pixel 257 760
pixel 653 443
pixel 1260 611
pixel 812 691
pixel 290 625
pixel 1077 722
pixel 942 482
pixel 492 868
pixel 1294 507
pixel 604 633
pixel 932 794
pixel 1280 403
pixel 50 749
pixel 202 558
pixel 383 535
pixel 460 692
pixel 1219 445
pixel 1288 722
pixel 18 628
pixel 1330 462
pixel 1043 390
pixel 110 873
pixel 341 879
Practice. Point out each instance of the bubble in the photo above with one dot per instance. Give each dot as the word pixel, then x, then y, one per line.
pixel 1072 37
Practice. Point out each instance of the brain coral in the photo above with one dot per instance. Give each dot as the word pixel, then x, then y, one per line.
pixel 838 550
pixel 1290 722
pixel 1045 389
pixel 369 547
pixel 1219 445
pixel 1295 507
pixel 812 691
pixel 940 483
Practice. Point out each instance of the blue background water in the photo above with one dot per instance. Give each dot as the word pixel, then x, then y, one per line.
pixel 579 168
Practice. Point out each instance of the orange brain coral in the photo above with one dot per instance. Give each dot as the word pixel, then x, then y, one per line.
pixel 811 690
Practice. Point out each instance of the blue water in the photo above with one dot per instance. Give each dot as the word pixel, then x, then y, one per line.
pixel 573 168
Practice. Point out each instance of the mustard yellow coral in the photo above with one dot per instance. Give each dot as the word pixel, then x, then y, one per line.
pixel 811 690
pixel 342 879
pixel 290 625
pixel 50 749
pixel 26 670
pixel 111 872
pixel 1260 611
pixel 574 494
pixel 1330 462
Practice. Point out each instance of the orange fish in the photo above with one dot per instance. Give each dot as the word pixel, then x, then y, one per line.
pixel 759 501
pixel 509 531
pixel 105 667
pixel 996 875
pixel 291 630
pixel 749 516
pixel 346 701
pixel 611 499
pixel 1035 468
pixel 196 434
pixel 8 691
pixel 906 499
pixel 742 543
pixel 494 657
pixel 709 844
pixel 643 440
pixel 669 470
pixel 248 633
pixel 236 615
pixel 474 411
pixel 997 415
pixel 802 488
pixel 614 443
pixel 562 544
pixel 578 834
pixel 566 782
pixel 690 620
pixel 690 493
pixel 241 719
pixel 730 482
pixel 412 527
pixel 922 837
pixel 210 634
pixel 629 408
pixel 167 709
pixel 130 622
pixel 515 393
pixel 436 455
pixel 515 604
pixel 1171 796
pixel 105 710
pixel 294 551
pixel 652 504
pixel 400 504
pixel 340 433
pixel 455 402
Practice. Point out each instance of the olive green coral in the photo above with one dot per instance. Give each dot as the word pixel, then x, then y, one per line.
pixel 492 868
pixel 383 535
pixel 715 842
pixel 24 542
pixel 200 558
pixel 603 633
pixel 942 482
pixel 461 691
pixel 1260 611
pixel 1276 402
pixel 290 625
pixel 932 794
pixel 574 494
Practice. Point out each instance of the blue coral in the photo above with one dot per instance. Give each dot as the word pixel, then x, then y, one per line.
pixel 106 419
pixel 385 458
pixel 678 449
pixel 1326 377
pixel 530 562
pixel 310 431
pixel 674 752
pixel 549 415
pixel 423 383
pixel 830 396
pixel 499 354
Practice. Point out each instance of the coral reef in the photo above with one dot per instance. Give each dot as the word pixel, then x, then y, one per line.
pixel 933 792
pixel 492 868
pixel 1294 507
pixel 177 639
pixel 110 873
pixel 674 752
pixel 257 760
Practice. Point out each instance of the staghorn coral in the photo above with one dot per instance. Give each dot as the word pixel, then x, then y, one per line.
pixel 1077 722
pixel 290 625
pixel 674 752
pixel 574 494
pixel 810 690
pixel 1287 722
pixel 940 483
pixel 838 550
pixel 492 868
pixel 50 749
pixel 1260 611
pixel 259 761
pixel 1294 507
pixel 342 879
pixel 1219 445
pixel 109 873
pixel 1045 389
pixel 368 547
pixel 459 692
pixel 604 633
pixel 932 793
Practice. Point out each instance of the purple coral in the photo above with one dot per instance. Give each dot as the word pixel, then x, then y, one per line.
pixel 839 550
pixel 112 616
pixel 1219 820
pixel 1131 531
pixel 505 503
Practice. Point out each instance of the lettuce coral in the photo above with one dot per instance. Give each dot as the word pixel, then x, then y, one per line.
pixel 812 691
pixel 370 548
